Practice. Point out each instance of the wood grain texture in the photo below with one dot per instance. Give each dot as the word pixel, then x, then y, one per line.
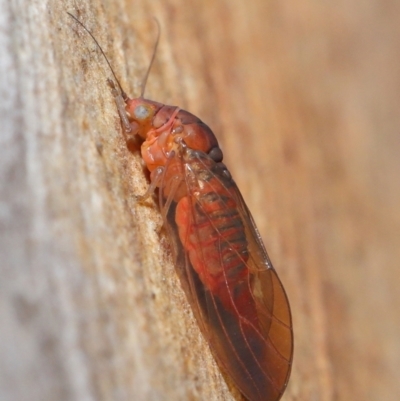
pixel 304 97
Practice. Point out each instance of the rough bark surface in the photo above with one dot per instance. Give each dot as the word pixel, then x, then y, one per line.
pixel 304 97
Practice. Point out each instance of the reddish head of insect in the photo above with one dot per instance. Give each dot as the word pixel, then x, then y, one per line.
pixel 141 113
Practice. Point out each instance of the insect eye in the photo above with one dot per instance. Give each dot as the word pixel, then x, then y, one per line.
pixel 141 112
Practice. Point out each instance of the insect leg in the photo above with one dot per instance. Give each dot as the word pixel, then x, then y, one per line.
pixel 120 103
pixel 173 186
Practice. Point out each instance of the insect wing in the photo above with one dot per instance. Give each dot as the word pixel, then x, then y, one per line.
pixel 236 295
pixel 272 305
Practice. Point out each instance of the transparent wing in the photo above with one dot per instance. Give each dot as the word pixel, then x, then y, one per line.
pixel 235 293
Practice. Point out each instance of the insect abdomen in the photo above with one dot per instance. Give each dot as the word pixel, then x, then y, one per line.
pixel 212 232
pixel 218 237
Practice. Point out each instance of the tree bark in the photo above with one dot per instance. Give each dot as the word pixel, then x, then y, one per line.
pixel 304 98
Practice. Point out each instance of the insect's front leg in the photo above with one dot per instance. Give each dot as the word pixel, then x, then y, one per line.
pixel 120 103
pixel 133 142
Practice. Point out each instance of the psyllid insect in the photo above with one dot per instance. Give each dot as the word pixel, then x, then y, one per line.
pixel 235 293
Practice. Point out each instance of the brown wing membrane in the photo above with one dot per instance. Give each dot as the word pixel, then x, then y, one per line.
pixel 228 278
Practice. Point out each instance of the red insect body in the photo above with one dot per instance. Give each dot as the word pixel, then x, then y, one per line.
pixel 228 278
pixel 236 295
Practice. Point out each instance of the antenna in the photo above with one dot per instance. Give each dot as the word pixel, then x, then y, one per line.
pixel 153 56
pixel 123 94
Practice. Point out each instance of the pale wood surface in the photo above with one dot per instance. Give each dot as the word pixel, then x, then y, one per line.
pixel 304 97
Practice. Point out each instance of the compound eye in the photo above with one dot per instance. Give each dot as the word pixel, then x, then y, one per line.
pixel 142 112
pixel 216 154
